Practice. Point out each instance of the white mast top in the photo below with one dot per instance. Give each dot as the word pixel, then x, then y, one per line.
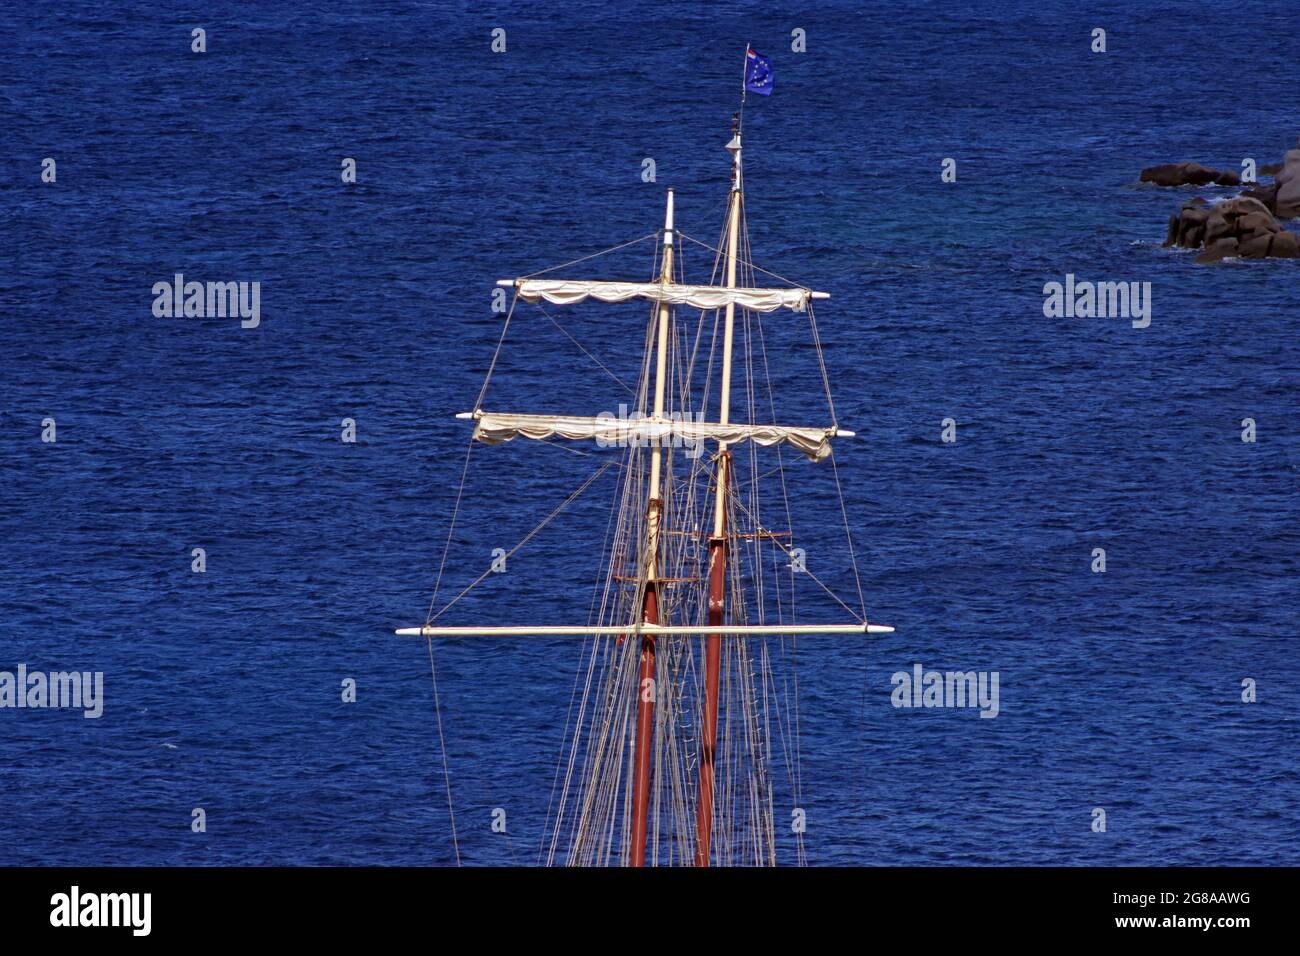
pixel 668 221
pixel 734 148
pixel 728 334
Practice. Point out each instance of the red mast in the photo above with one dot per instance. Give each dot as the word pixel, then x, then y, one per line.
pixel 712 669
pixel 647 688
pixel 645 722
pixel 718 541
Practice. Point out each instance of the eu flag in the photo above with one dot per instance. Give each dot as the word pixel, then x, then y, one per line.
pixel 758 73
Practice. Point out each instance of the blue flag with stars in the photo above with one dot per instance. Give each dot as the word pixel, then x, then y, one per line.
pixel 758 73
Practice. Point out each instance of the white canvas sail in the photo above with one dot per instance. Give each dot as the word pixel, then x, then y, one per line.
pixel 572 291
pixel 493 428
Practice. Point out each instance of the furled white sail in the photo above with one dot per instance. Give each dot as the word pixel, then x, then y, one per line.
pixel 569 291
pixel 492 428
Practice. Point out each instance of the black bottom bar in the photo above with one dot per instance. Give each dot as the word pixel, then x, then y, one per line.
pixel 332 906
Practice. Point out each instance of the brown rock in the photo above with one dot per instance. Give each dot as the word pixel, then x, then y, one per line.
pixel 1258 222
pixel 1269 169
pixel 1256 248
pixel 1286 245
pixel 1288 187
pixel 1241 226
pixel 1215 228
pixel 1264 195
pixel 1171 236
pixel 1192 221
pixel 1227 178
pixel 1180 174
pixel 1222 249
pixel 1241 205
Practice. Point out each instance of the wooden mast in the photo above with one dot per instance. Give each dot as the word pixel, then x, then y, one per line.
pixel 647 690
pixel 647 625
pixel 718 540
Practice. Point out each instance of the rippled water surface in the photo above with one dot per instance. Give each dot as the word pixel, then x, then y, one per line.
pixel 1119 690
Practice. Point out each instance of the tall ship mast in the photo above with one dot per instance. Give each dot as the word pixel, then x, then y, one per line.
pixel 668 756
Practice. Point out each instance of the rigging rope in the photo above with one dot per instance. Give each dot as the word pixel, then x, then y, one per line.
pixel 598 362
pixel 446 773
pixel 853 555
pixel 528 537
pixel 574 262
pixel 428 641
pixel 746 263
pixel 478 402
pixel 814 577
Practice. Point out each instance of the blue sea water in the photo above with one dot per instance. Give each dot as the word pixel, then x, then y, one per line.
pixel 1119 690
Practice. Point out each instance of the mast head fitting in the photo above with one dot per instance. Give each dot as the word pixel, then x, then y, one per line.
pixel 734 145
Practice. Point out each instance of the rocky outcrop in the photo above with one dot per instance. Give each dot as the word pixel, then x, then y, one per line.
pixel 1264 194
pixel 1189 174
pixel 1242 227
pixel 1246 226
pixel 1286 203
pixel 1283 197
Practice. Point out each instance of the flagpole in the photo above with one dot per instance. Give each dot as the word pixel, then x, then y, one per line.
pixel 744 75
